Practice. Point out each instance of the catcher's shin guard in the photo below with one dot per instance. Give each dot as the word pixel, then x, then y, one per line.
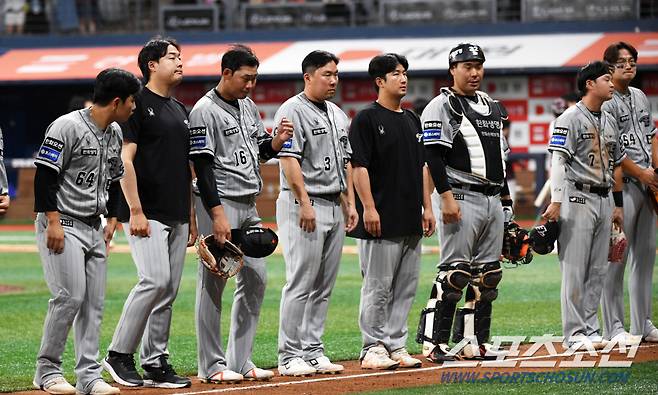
pixel 464 324
pixel 436 319
pixel 486 277
pixel 475 326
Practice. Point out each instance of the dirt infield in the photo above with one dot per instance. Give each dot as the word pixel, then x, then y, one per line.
pixel 356 380
pixel 9 289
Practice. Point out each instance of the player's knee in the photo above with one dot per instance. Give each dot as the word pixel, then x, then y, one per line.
pixel 71 302
pixel 487 277
pixel 451 280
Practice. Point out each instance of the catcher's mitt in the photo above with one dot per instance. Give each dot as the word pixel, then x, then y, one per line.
pixel 224 261
pixel 618 244
pixel 516 245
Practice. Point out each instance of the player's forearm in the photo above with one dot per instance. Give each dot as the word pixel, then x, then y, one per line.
pixel 437 168
pixel 428 187
pixel 347 198
pixel 293 173
pixel 558 176
pixel 631 168
pixel 618 176
pixel 112 205
pixel 362 186
pixel 654 150
pixel 205 180
pixel 45 189
pixel 129 188
pixel 52 217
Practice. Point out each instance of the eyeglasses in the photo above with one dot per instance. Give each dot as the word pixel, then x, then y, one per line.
pixel 622 63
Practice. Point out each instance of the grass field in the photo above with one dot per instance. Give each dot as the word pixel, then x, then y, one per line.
pixel 528 304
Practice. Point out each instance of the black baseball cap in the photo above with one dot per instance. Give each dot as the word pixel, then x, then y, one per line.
pixel 466 52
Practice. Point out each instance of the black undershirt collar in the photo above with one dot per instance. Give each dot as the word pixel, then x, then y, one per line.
pixel 234 103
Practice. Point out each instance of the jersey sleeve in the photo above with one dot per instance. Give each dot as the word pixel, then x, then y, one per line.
pixel 564 137
pixel 55 151
pixel 202 132
pixel 436 125
pixel 646 119
pixel 295 145
pixel 115 168
pixel 131 128
pixel 360 138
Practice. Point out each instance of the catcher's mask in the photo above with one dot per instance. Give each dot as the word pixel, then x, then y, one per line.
pixel 516 245
pixel 542 237
pixel 255 242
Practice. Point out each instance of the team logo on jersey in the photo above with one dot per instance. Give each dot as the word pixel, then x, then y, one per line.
pixel 66 222
pixel 116 166
pixel 381 130
pixel 89 152
pixel 624 118
pixel 198 137
pixel 288 143
pixel 587 136
pixel 458 196
pixel 230 131
pixel 577 199
pixel 343 140
pixel 419 137
pixel 318 131
pixel 645 120
pixel 150 112
pixel 50 149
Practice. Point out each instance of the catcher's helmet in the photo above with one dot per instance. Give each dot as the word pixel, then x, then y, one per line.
pixel 466 52
pixel 516 245
pixel 254 241
pixel 542 237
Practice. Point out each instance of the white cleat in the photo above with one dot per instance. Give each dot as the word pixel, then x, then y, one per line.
pixel 100 387
pixel 377 358
pixel 405 360
pixel 56 385
pixel 296 367
pixel 652 337
pixel 325 366
pixel 223 377
pixel 258 374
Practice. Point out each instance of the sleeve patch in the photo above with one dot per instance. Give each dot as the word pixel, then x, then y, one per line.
pixel 287 144
pixel 557 139
pixel 560 131
pixel 51 149
pixel 430 135
pixel 197 137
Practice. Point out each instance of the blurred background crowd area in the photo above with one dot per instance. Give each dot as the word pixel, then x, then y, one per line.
pixel 135 16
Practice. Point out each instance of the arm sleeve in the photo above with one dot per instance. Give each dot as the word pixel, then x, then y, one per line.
pixel 264 139
pixel 295 146
pixel 45 189
pixel 435 155
pixel 114 195
pixel 360 139
pixel 206 180
pixel 558 179
pixel 4 186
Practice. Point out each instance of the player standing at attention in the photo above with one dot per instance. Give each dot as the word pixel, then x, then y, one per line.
pixel 4 186
pixel 632 113
pixel 227 141
pixel 157 217
pixel 78 169
pixel 584 167
pixel 462 132
pixel 315 185
pixel 395 209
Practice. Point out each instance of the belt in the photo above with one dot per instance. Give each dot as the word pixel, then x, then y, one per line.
pixel 598 190
pixel 489 190
pixel 332 197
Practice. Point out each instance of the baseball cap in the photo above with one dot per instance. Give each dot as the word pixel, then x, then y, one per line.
pixel 465 52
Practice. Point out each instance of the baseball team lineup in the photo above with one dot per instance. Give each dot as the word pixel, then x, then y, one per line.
pixel 388 177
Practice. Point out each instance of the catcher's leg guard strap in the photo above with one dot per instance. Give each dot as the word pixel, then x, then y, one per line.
pixel 482 321
pixel 486 277
pixel 464 324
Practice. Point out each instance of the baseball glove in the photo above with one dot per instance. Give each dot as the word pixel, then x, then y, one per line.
pixel 224 262
pixel 516 245
pixel 618 244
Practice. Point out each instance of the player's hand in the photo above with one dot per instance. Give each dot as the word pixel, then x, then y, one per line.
pixel 108 231
pixel 139 225
pixel 351 217
pixel 4 203
pixel 194 233
pixel 284 131
pixel 450 210
pixel 649 178
pixel 221 228
pixel 307 217
pixel 508 212
pixel 55 237
pixel 429 223
pixel 618 218
pixel 372 222
pixel 552 212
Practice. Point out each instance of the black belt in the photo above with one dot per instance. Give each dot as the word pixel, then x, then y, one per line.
pixel 489 190
pixel 332 197
pixel 601 191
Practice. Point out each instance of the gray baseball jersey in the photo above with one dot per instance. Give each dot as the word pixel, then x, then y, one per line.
pixel 633 115
pixel 590 143
pixel 320 143
pixel 4 187
pixel 87 160
pixel 231 136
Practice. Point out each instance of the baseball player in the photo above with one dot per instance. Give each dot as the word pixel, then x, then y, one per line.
pixel 78 166
pixel 462 132
pixel 631 111
pixel 584 168
pixel 4 186
pixel 157 217
pixel 394 207
pixel 227 141
pixel 315 185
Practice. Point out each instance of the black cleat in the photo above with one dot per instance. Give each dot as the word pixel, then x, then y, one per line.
pixel 122 369
pixel 164 376
pixel 440 354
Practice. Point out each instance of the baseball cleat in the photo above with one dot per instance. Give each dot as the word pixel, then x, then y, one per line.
pixel 652 337
pixel 223 377
pixel 377 358
pixel 164 376
pixel 406 361
pixel 56 385
pixel 325 366
pixel 100 387
pixel 258 374
pixel 625 338
pixel 296 367
pixel 122 369
pixel 441 353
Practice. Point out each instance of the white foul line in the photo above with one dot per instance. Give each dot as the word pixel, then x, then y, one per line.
pixel 355 376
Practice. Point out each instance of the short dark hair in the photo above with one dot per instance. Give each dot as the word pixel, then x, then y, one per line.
pixel 317 59
pixel 591 71
pixel 155 49
pixel 381 65
pixel 113 82
pixel 571 96
pixel 238 56
pixel 611 53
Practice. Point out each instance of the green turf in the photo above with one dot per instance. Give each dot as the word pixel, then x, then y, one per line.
pixel 528 304
pixel 639 379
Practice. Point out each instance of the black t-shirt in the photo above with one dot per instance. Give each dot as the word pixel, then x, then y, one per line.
pixel 159 127
pixel 389 144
